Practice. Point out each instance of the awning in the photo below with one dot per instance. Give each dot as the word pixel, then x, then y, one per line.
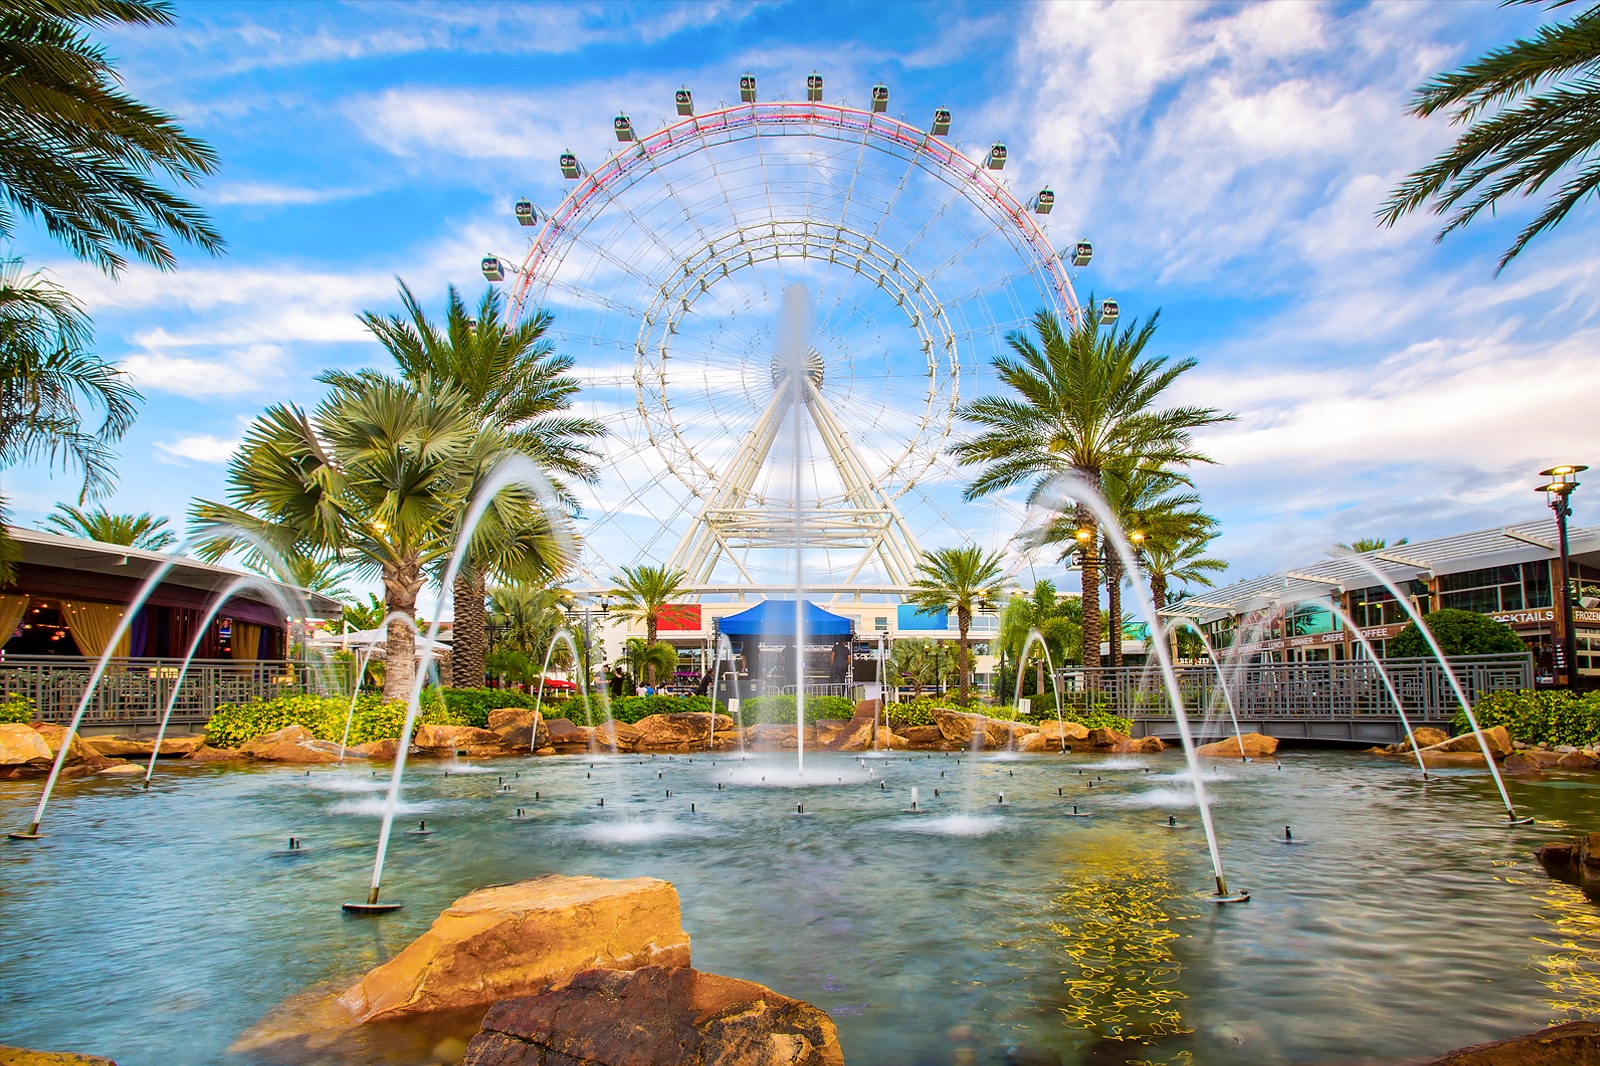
pixel 776 618
pixel 367 639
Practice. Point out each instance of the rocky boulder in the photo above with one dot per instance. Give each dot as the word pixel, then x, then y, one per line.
pixel 292 743
pixel 380 750
pixel 616 736
pixel 78 753
pixel 172 747
pixel 857 733
pixel 520 728
pixel 1498 740
pixel 1256 745
pixel 1140 746
pixel 1105 739
pixel 1055 730
pixel 924 737
pixel 771 736
pixel 677 732
pixel 1576 861
pixel 1039 742
pixel 656 1017
pixel 18 1056
pixel 523 939
pixel 206 753
pixel 969 730
pixel 1577 760
pixel 22 745
pixel 567 737
pixel 1427 737
pixel 1572 1044
pixel 449 739
pixel 1448 760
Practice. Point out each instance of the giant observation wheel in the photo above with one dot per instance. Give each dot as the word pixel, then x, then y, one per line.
pixel 665 267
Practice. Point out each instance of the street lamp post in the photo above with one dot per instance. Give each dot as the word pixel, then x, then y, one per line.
pixel 1558 490
pixel 587 666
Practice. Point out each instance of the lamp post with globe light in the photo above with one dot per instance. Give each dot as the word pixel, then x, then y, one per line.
pixel 1560 483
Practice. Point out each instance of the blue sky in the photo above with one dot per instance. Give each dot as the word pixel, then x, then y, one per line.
pixel 1226 159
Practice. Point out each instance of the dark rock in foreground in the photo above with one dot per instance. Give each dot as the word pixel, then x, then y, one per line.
pixel 1573 1044
pixel 1576 862
pixel 656 1016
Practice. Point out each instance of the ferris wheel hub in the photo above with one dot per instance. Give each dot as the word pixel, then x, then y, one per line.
pixel 813 368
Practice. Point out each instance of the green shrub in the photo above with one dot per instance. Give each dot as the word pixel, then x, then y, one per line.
pixel 1553 716
pixel 779 710
pixel 16 709
pixel 324 716
pixel 920 712
pixel 474 704
pixel 1458 633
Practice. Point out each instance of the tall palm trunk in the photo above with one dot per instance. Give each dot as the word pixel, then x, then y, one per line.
pixel 964 622
pixel 401 584
pixel 1113 601
pixel 1091 601
pixel 469 635
pixel 1158 596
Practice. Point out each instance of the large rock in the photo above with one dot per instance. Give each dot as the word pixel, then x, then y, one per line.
pixel 1140 746
pixel 656 1017
pixel 567 737
pixel 1039 742
pixel 1105 739
pixel 78 753
pixel 677 732
pixel 292 743
pixel 1572 1044
pixel 172 747
pixel 612 735
pixel 1452 760
pixel 520 728
pixel 523 939
pixel 450 739
pixel 1497 738
pixel 771 736
pixel 206 753
pixel 1577 760
pixel 17 1056
pixel 925 737
pixel 1427 737
pixel 22 745
pixel 857 733
pixel 1575 861
pixel 1256 745
pixel 1055 729
pixel 380 750
pixel 969 730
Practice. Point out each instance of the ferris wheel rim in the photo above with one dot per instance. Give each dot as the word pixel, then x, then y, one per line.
pixel 690 134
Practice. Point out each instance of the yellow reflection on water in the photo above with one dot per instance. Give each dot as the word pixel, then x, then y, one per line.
pixel 1121 976
pixel 1572 968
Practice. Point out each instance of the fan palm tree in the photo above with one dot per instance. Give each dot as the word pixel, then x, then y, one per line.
pixel 512 375
pixel 1544 93
pixel 642 591
pixel 958 579
pixel 1058 619
pixel 379 475
pixel 144 530
pixel 76 153
pixel 1372 544
pixel 52 388
pixel 912 661
pixel 1083 401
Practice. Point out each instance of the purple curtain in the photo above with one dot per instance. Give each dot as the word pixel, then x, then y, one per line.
pixel 139 634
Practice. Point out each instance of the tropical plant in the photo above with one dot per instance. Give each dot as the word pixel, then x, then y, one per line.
pixel 642 591
pixel 1372 544
pixel 1544 92
pixel 1057 619
pixel 360 615
pixel 78 152
pixel 526 617
pixel 1544 716
pixel 1178 554
pixel 1458 633
pixel 647 661
pixel 129 530
pixel 513 665
pixel 912 662
pixel 16 709
pixel 51 386
pixel 379 476
pixel 374 718
pixel 513 377
pixel 1082 401
pixel 958 579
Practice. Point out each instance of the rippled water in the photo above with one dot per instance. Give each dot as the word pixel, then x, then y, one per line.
pixel 155 928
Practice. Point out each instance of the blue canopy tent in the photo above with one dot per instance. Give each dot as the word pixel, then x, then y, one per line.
pixel 763 645
pixel 775 618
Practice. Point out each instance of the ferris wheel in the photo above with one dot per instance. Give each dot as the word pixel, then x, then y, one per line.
pixel 666 269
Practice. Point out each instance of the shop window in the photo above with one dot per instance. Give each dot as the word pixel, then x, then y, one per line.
pixel 1485 591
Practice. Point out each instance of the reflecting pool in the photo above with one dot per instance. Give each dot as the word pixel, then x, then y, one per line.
pixel 155 928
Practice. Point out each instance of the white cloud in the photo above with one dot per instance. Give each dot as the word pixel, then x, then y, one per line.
pixel 270 194
pixel 198 448
pixel 234 372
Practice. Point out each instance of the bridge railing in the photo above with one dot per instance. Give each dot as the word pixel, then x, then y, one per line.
pixel 136 691
pixel 1333 690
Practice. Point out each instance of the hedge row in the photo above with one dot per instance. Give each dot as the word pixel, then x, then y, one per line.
pixel 323 716
pixel 1550 716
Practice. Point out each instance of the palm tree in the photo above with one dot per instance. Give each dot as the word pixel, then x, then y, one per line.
pixel 1372 544
pixel 1147 505
pixel 76 152
pixel 642 591
pixel 912 661
pixel 645 660
pixel 1545 127
pixel 958 578
pixel 379 476
pixel 51 386
pixel 361 615
pixel 1179 557
pixel 130 530
pixel 1084 402
pixel 1058 619
pixel 513 377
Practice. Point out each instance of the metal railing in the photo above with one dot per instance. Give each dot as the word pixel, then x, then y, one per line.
pixel 135 691
pixel 842 689
pixel 1345 688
